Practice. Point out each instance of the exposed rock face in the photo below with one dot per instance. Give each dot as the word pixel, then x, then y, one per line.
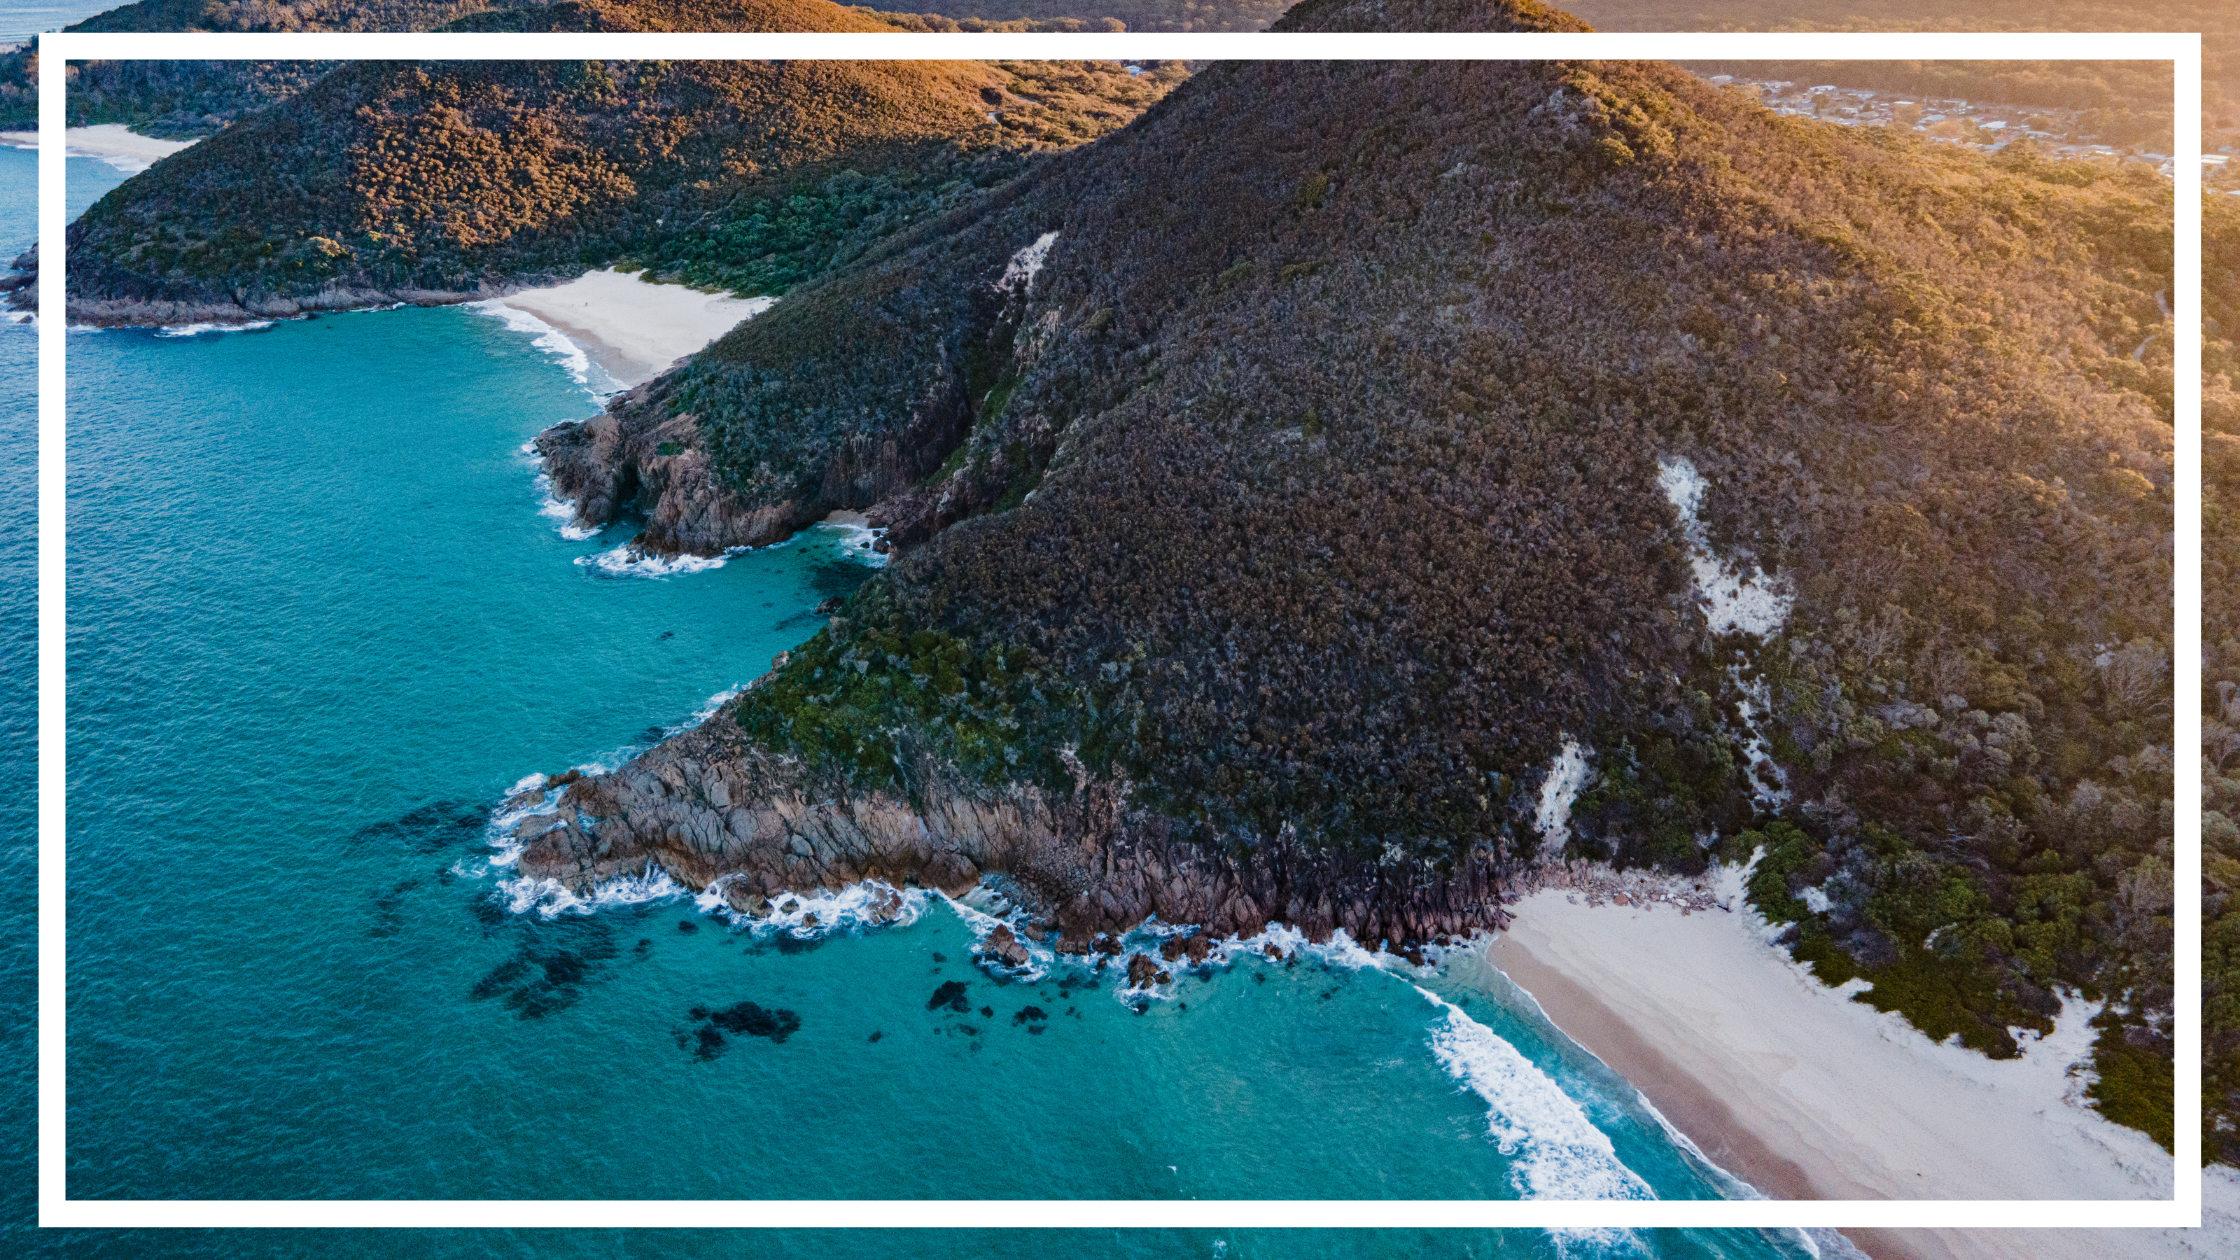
pixel 709 807
pixel 632 454
pixel 1005 947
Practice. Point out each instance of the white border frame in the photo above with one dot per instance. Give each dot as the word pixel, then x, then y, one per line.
pixel 56 1209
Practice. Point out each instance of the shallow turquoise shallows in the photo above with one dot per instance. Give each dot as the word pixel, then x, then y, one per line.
pixel 319 626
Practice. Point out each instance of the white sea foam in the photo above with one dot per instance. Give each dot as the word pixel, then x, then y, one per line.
pixel 823 912
pixel 1756 604
pixel 549 898
pixel 981 910
pixel 1559 790
pixel 857 542
pixel 553 506
pixel 623 562
pixel 1555 1152
pixel 1020 271
pixel 549 502
pixel 196 330
pixel 595 380
pixel 853 542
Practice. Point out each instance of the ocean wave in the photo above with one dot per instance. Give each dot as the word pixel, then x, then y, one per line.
pixel 865 904
pixel 196 330
pixel 549 502
pixel 548 898
pixel 987 906
pixel 1555 1152
pixel 595 380
pixel 856 542
pixel 623 562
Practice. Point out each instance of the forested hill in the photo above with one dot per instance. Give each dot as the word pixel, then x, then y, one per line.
pixel 389 179
pixel 1286 478
pixel 185 99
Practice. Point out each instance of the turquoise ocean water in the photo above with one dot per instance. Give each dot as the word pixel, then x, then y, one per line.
pixel 319 627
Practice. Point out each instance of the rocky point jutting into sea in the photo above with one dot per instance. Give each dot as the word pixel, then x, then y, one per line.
pixel 1267 551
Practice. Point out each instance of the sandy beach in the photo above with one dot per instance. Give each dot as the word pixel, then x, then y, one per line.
pixel 111 142
pixel 631 327
pixel 1806 1094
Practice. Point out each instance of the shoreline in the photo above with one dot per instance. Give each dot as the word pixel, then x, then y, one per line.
pixel 1801 1092
pixel 114 143
pixel 633 328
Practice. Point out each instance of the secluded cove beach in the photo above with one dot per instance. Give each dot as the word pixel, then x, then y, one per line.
pixel 1804 1093
pixel 119 146
pixel 632 327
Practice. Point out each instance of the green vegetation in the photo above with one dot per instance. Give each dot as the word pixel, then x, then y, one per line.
pixel 1340 401
pixel 738 175
pixel 1324 453
pixel 865 701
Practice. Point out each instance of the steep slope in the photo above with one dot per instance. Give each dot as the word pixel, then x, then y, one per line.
pixel 413 182
pixel 1310 490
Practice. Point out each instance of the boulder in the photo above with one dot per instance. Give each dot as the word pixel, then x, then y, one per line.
pixel 1001 945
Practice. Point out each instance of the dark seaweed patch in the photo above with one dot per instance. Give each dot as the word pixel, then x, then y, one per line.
pixel 543 976
pixel 745 1019
pixel 838 578
pixel 388 909
pixel 687 925
pixel 653 735
pixel 987 1012
pixel 429 828
pixel 951 995
pixel 788 943
pixel 1030 1014
pixel 875 1036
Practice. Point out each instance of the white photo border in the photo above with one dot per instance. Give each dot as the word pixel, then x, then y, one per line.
pixel 2182 51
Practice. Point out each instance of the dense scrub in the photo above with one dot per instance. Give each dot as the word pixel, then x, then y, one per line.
pixel 1308 494
pixel 1314 479
pixel 392 176
pixel 186 99
pixel 2220 682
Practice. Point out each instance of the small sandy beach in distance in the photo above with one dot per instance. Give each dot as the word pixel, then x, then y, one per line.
pixel 111 142
pixel 631 327
pixel 1804 1093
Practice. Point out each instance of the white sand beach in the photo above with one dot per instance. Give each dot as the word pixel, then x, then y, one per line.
pixel 1804 1093
pixel 111 142
pixel 631 327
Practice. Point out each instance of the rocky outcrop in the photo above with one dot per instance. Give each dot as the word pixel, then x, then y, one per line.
pixel 633 455
pixel 712 809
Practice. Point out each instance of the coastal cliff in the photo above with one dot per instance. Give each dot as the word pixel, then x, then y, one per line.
pixel 715 810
